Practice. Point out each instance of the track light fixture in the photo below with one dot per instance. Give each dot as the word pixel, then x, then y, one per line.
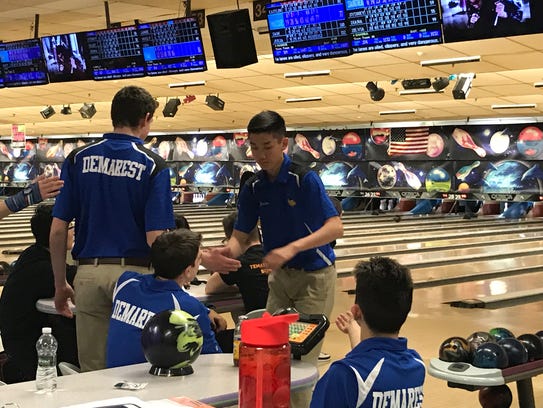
pixel 87 111
pixel 376 93
pixel 170 109
pixel 47 112
pixel 66 110
pixel 440 83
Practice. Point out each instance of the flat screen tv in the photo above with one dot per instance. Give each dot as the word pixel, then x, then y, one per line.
pixel 378 25
pixel 172 47
pixel 303 30
pixel 23 63
pixel 465 20
pixel 66 57
pixel 115 53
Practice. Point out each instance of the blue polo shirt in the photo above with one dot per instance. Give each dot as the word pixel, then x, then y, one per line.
pixel 289 208
pixel 138 297
pixel 378 372
pixel 116 190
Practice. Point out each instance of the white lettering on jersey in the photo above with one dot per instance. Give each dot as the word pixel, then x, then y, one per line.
pixel 401 398
pixel 130 314
pixel 113 167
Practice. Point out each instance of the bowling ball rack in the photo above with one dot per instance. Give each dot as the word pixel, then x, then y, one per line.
pixel 468 377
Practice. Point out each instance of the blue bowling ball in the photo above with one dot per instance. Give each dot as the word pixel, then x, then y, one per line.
pixel 516 352
pixel 490 355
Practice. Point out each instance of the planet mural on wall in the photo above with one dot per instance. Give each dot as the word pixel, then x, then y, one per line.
pixel 435 145
pixel 386 176
pixel 499 142
pixel 438 179
pixel 530 142
pixel 352 145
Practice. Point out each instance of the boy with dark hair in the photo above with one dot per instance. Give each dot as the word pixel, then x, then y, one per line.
pixel 380 370
pixel 298 222
pixel 20 322
pixel 251 278
pixel 175 257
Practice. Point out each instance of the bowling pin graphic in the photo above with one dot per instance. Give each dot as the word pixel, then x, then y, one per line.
pixel 466 170
pixel 410 177
pixel 464 139
pixel 303 144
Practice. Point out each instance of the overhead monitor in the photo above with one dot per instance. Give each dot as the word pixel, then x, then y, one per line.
pixel 378 25
pixel 303 30
pixel 480 19
pixel 66 57
pixel 23 64
pixel 172 46
pixel 115 53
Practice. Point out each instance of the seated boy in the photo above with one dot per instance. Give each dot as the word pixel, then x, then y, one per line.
pixel 251 279
pixel 175 257
pixel 380 370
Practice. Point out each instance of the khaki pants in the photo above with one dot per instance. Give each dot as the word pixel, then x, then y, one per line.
pixel 93 287
pixel 309 293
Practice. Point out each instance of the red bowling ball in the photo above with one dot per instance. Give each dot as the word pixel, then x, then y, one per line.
pixel 496 397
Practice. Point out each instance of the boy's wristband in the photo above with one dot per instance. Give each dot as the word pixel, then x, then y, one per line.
pixel 28 196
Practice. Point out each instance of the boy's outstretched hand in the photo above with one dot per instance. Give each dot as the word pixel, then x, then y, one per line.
pixel 344 321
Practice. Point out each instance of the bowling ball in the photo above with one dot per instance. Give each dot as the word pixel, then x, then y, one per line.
pixel 455 350
pixel 477 338
pixel 352 145
pixel 530 142
pixel 438 179
pixel 490 355
pixel 540 334
pixel 533 344
pixel 171 341
pixel 516 352
pixel 499 396
pixel 500 333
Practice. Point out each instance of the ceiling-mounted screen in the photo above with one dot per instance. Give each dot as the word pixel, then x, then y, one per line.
pixel 378 25
pixel 115 53
pixel 479 19
pixel 23 64
pixel 302 30
pixel 172 46
pixel 66 57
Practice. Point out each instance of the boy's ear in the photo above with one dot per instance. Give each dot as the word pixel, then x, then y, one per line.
pixel 356 312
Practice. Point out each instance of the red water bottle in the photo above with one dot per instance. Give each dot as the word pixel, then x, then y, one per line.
pixel 264 362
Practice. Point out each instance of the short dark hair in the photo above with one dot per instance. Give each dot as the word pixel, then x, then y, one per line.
pixel 268 122
pixel 173 251
pixel 130 105
pixel 40 223
pixel 384 293
pixel 181 221
pixel 228 223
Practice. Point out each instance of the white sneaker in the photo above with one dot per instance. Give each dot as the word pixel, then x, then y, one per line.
pixel 324 356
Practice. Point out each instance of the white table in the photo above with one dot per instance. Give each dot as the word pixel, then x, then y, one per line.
pixel 230 301
pixel 215 382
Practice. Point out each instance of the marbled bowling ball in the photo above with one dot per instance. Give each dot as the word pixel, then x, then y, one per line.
pixel 530 142
pixel 490 355
pixel 438 179
pixel 172 339
pixel 477 338
pixel 516 352
pixel 500 333
pixel 455 350
pixel 499 396
pixel 533 344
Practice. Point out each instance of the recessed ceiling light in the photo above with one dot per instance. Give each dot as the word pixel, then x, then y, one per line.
pixel 447 61
pixel 398 112
pixel 308 99
pixel 515 106
pixel 323 72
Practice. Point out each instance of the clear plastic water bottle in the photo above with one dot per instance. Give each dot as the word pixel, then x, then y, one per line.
pixel 237 339
pixel 46 374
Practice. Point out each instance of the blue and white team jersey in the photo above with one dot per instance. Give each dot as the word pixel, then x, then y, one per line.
pixel 138 297
pixel 291 207
pixel 116 190
pixel 378 373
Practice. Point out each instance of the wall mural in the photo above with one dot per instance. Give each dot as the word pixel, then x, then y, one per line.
pixel 468 161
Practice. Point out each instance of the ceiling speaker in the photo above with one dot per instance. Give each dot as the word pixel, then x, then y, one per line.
pixel 170 109
pixel 214 102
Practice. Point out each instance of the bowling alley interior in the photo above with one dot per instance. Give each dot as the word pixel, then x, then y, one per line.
pixel 428 133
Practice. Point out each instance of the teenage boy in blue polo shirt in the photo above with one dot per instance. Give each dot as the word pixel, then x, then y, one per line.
pixel 298 222
pixel 380 371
